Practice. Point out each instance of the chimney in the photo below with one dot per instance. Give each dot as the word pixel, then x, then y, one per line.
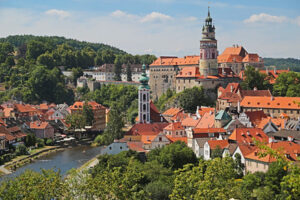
pixel 272 98
pixel 231 88
pixel 255 88
pixel 239 107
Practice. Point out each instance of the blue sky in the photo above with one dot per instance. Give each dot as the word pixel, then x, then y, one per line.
pixel 161 27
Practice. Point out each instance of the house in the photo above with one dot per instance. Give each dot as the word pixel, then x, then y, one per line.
pixel 212 133
pixel 42 129
pixel 233 124
pixel 170 113
pixel 156 141
pixel 286 135
pixel 199 146
pixel 243 150
pixel 222 118
pixel 269 124
pixel 25 110
pixel 115 148
pixel 9 138
pixel 273 106
pixel 200 111
pixel 175 129
pixel 246 136
pixel 98 111
pixel 255 117
pixel 2 143
pixel 256 163
pixel 211 145
pixel 229 151
pixel 293 124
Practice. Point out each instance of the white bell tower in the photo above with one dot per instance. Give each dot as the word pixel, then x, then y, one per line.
pixel 144 98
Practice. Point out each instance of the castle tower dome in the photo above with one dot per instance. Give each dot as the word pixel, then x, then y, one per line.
pixel 208 64
pixel 144 98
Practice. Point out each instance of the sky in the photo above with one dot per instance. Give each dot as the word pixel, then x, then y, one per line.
pixel 270 28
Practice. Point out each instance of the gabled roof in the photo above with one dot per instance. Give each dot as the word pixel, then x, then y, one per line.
pixel 213 144
pixel 172 111
pixel 256 116
pixel 251 57
pixel 174 126
pixel 246 149
pixel 38 125
pixel 190 122
pixel 279 122
pixel 271 102
pixel 171 61
pixel 175 139
pixel 136 146
pixel 202 141
pixel 180 116
pixel 245 135
pixel 288 149
pixel 147 129
pixel 207 121
pixel 203 110
pixel 24 108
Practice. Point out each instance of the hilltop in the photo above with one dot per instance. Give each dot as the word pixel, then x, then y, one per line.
pixel 283 63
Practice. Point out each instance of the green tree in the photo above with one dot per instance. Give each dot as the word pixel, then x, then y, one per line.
pixel 76 121
pixel 190 98
pixel 30 140
pixel 21 150
pixel 46 59
pixel 287 84
pixel 35 49
pixel 254 79
pixel 128 73
pixel 290 184
pixel 88 114
pixel 33 185
pixel 115 123
pixel 174 155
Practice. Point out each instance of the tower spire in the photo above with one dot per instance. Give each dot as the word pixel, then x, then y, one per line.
pixel 208 14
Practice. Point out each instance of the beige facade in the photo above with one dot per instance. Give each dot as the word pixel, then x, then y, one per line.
pixel 276 112
pixel 253 166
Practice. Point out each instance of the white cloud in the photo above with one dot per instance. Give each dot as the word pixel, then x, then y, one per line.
pixel 58 13
pixel 122 14
pixel 156 17
pixel 191 19
pixel 263 17
pixel 298 20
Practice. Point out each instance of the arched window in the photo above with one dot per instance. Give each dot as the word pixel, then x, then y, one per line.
pixel 144 97
pixel 144 117
pixel 144 107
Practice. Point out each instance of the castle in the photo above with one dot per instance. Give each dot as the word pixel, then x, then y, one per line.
pixel 205 70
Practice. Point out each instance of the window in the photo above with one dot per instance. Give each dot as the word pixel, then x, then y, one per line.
pixel 120 147
pixel 160 139
pixel 109 148
pixel 206 152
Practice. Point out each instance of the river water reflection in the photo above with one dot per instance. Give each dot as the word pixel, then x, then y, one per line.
pixel 64 160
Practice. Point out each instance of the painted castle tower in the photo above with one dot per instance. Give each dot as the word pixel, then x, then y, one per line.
pixel 144 98
pixel 208 64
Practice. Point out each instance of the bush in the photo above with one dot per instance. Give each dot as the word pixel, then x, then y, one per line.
pixel 104 139
pixel 40 142
pixel 21 150
pixel 49 142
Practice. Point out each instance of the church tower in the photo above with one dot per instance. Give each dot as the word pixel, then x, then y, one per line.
pixel 144 98
pixel 208 64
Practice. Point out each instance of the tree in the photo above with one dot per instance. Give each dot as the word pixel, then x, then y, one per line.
pixel 33 185
pixel 88 114
pixel 46 59
pixel 190 98
pixel 217 152
pixel 254 79
pixel 115 123
pixel 35 49
pixel 118 68
pixel 287 84
pixel 174 155
pixel 290 184
pixel 128 73
pixel 30 140
pixel 21 150
pixel 76 120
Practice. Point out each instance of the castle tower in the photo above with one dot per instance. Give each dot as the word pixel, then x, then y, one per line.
pixel 144 98
pixel 208 64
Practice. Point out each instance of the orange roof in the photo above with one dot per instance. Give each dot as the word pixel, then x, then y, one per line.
pixel 147 139
pixel 207 121
pixel 175 139
pixel 245 135
pixel 44 106
pixel 247 149
pixel 235 50
pixel 79 105
pixel 187 72
pixel 271 102
pixel 174 126
pixel 24 108
pixel 229 58
pixel 7 112
pixel 279 122
pixel 289 149
pixel 213 144
pixel 180 116
pixel 256 116
pixel 251 57
pixel 136 146
pixel 204 110
pixel 169 60
pixel 38 125
pixel 189 121
pixel 208 130
pixel 172 111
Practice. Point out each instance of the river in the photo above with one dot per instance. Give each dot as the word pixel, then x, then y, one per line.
pixel 64 160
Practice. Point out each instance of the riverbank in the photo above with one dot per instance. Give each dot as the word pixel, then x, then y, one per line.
pixel 19 161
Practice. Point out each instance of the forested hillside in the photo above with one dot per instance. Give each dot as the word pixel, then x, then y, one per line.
pixel 20 40
pixel 283 63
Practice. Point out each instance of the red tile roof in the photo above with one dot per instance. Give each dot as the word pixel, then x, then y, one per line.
pixel 175 139
pixel 247 149
pixel 289 149
pixel 204 110
pixel 190 122
pixel 251 57
pixel 174 126
pixel 256 116
pixel 213 144
pixel 207 121
pixel 136 146
pixel 271 102
pixel 25 108
pixel 208 130
pixel 38 125
pixel 79 105
pixel 245 135
pixel 279 122
pixel 147 129
pixel 172 111
pixel 169 61
pixel 180 116
pixel 7 133
pixel 189 72
pixel 44 106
